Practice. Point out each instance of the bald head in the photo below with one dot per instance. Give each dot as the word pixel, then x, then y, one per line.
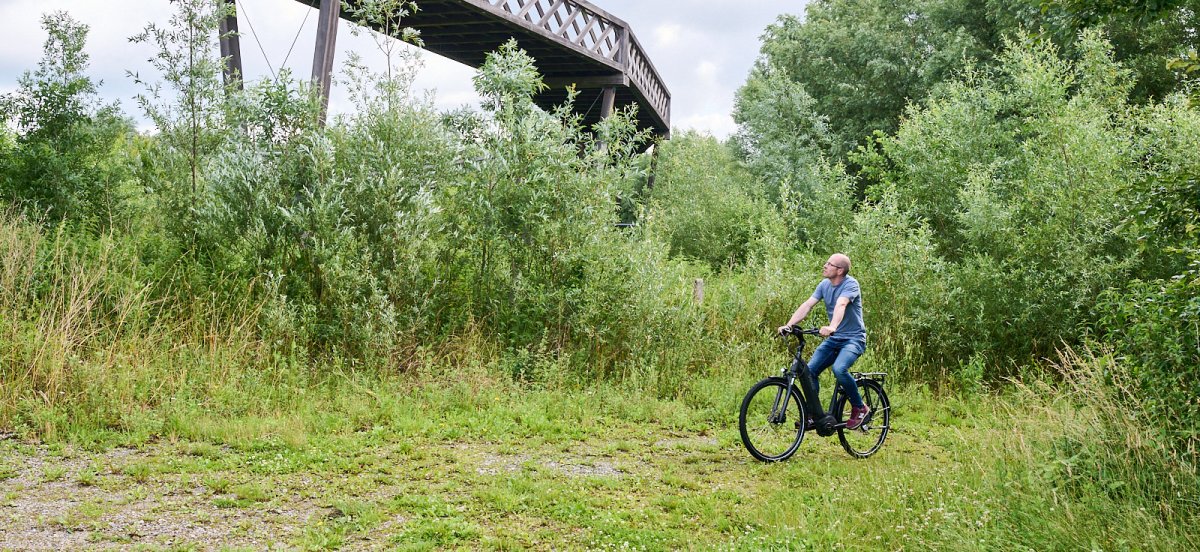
pixel 840 260
pixel 836 268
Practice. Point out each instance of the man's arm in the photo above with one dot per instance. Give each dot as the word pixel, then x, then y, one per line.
pixel 800 313
pixel 839 311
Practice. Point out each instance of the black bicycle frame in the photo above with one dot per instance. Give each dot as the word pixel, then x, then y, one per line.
pixel 825 422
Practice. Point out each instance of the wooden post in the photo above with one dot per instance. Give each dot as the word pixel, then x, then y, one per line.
pixel 698 291
pixel 622 56
pixel 322 72
pixel 607 97
pixel 231 48
pixel 653 167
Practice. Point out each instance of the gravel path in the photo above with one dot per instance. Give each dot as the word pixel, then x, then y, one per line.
pixel 53 500
pixel 189 496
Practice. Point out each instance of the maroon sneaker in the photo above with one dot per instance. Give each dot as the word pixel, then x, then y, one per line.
pixel 857 415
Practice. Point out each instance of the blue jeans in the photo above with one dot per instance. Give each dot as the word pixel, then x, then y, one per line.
pixel 841 354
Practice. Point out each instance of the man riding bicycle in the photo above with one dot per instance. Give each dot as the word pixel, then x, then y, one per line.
pixel 846 335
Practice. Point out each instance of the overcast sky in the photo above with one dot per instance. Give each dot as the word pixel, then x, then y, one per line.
pixel 702 48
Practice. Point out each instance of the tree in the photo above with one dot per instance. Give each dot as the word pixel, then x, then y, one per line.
pixel 708 207
pixel 189 114
pixel 64 162
pixel 1016 173
pixel 779 132
pixel 1152 37
pixel 863 61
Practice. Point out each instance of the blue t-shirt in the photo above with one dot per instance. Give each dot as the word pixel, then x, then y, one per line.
pixel 852 326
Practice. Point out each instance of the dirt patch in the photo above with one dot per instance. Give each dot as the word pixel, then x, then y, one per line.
pixel 117 509
pixel 172 494
pixel 500 464
pixel 496 464
pixel 600 468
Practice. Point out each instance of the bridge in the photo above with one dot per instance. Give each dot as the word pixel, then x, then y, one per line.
pixel 573 42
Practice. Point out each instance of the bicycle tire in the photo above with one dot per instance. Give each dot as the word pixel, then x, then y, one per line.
pixel 867 438
pixel 766 435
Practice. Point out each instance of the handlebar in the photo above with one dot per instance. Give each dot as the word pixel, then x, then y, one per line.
pixel 797 330
pixel 798 333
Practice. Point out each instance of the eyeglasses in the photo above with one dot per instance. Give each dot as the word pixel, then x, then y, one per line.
pixel 835 266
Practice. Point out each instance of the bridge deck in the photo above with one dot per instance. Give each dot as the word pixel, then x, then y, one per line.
pixel 572 41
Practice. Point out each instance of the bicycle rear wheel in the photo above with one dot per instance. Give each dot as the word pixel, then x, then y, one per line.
pixel 867 439
pixel 770 433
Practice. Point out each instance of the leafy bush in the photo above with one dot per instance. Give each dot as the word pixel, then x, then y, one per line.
pixel 1155 328
pixel 907 290
pixel 1163 206
pixel 780 134
pixel 332 224
pixel 1152 323
pixel 1114 447
pixel 66 160
pixel 532 198
pixel 635 309
pixel 708 207
pixel 817 202
pixel 1017 174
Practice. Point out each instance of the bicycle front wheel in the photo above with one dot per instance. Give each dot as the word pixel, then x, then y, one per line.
pixel 868 437
pixel 772 420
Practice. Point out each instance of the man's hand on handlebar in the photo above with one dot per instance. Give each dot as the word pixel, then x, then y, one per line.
pixel 784 331
pixel 827 331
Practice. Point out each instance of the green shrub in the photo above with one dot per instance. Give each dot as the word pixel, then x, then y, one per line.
pixel 817 203
pixel 1016 174
pixel 708 207
pixel 907 289
pixel 1155 328
pixel 1163 206
pixel 635 307
pixel 1114 447
pixel 66 160
pixel 525 219
pixel 1152 323
pixel 330 224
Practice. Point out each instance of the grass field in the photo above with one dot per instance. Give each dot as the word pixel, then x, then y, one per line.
pixel 480 463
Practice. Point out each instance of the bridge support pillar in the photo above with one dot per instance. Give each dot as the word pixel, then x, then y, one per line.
pixel 231 48
pixel 607 98
pixel 322 71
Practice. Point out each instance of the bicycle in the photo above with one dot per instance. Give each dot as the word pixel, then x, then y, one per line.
pixel 773 421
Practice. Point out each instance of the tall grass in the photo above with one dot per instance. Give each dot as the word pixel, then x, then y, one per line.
pixel 1099 447
pixel 92 340
pixel 83 343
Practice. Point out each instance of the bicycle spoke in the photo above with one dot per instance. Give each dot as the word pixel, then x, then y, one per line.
pixel 868 437
pixel 767 421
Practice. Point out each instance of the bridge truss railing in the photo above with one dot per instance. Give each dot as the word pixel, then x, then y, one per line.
pixel 593 32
